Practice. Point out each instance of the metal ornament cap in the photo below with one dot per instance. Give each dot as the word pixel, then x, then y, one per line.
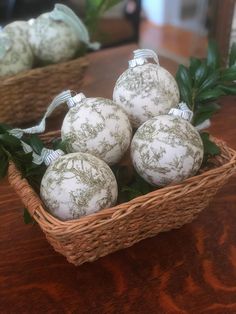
pixel 49 155
pixel 141 56
pixel 73 101
pixel 183 112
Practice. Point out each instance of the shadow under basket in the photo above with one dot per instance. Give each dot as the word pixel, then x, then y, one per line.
pixel 93 236
pixel 25 96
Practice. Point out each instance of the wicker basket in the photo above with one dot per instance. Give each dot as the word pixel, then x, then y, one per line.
pixel 90 237
pixel 25 97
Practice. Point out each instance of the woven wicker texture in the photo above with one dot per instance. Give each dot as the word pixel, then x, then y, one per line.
pixel 99 234
pixel 25 97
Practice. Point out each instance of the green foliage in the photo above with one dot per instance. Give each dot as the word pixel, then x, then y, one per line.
pixel 27 218
pixel 137 188
pixel 209 81
pixel 229 74
pixel 232 55
pixel 213 56
pixel 58 143
pixel 228 89
pixel 185 87
pixel 95 9
pixel 208 95
pixel 11 150
pixel 204 81
pixel 130 184
pixel 3 164
pixel 210 148
pixel 194 65
pixel 200 74
pixel 36 144
pixel 205 112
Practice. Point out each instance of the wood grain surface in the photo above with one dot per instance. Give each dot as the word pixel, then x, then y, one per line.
pixel 190 270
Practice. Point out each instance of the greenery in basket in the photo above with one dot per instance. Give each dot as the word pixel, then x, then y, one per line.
pixel 200 84
pixel 94 10
pixel 203 83
pixel 11 151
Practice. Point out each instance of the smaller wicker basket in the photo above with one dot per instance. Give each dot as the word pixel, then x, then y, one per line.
pixel 90 237
pixel 25 97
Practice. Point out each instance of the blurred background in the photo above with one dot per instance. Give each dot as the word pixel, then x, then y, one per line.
pixel 176 29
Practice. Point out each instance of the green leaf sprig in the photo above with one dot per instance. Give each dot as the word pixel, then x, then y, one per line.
pixel 94 10
pixel 130 184
pixel 11 150
pixel 202 83
pixel 210 148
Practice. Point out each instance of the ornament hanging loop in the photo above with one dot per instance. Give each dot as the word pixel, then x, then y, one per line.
pixel 63 97
pixel 63 13
pixel 40 128
pixel 146 54
pixel 141 56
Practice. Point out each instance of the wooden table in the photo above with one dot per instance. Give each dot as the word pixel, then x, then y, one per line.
pixel 190 270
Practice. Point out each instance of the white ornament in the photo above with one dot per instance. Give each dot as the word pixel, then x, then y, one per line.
pixel 52 41
pixel 145 90
pixel 15 54
pixel 97 126
pixel 19 29
pixel 56 36
pixel 77 184
pixel 167 149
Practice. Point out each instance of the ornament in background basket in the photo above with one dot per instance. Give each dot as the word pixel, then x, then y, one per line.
pixel 92 125
pixel 145 90
pixel 19 29
pixel 167 149
pixel 15 54
pixel 56 36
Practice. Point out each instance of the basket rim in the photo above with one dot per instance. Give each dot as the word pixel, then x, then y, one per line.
pixel 47 221
pixel 34 72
